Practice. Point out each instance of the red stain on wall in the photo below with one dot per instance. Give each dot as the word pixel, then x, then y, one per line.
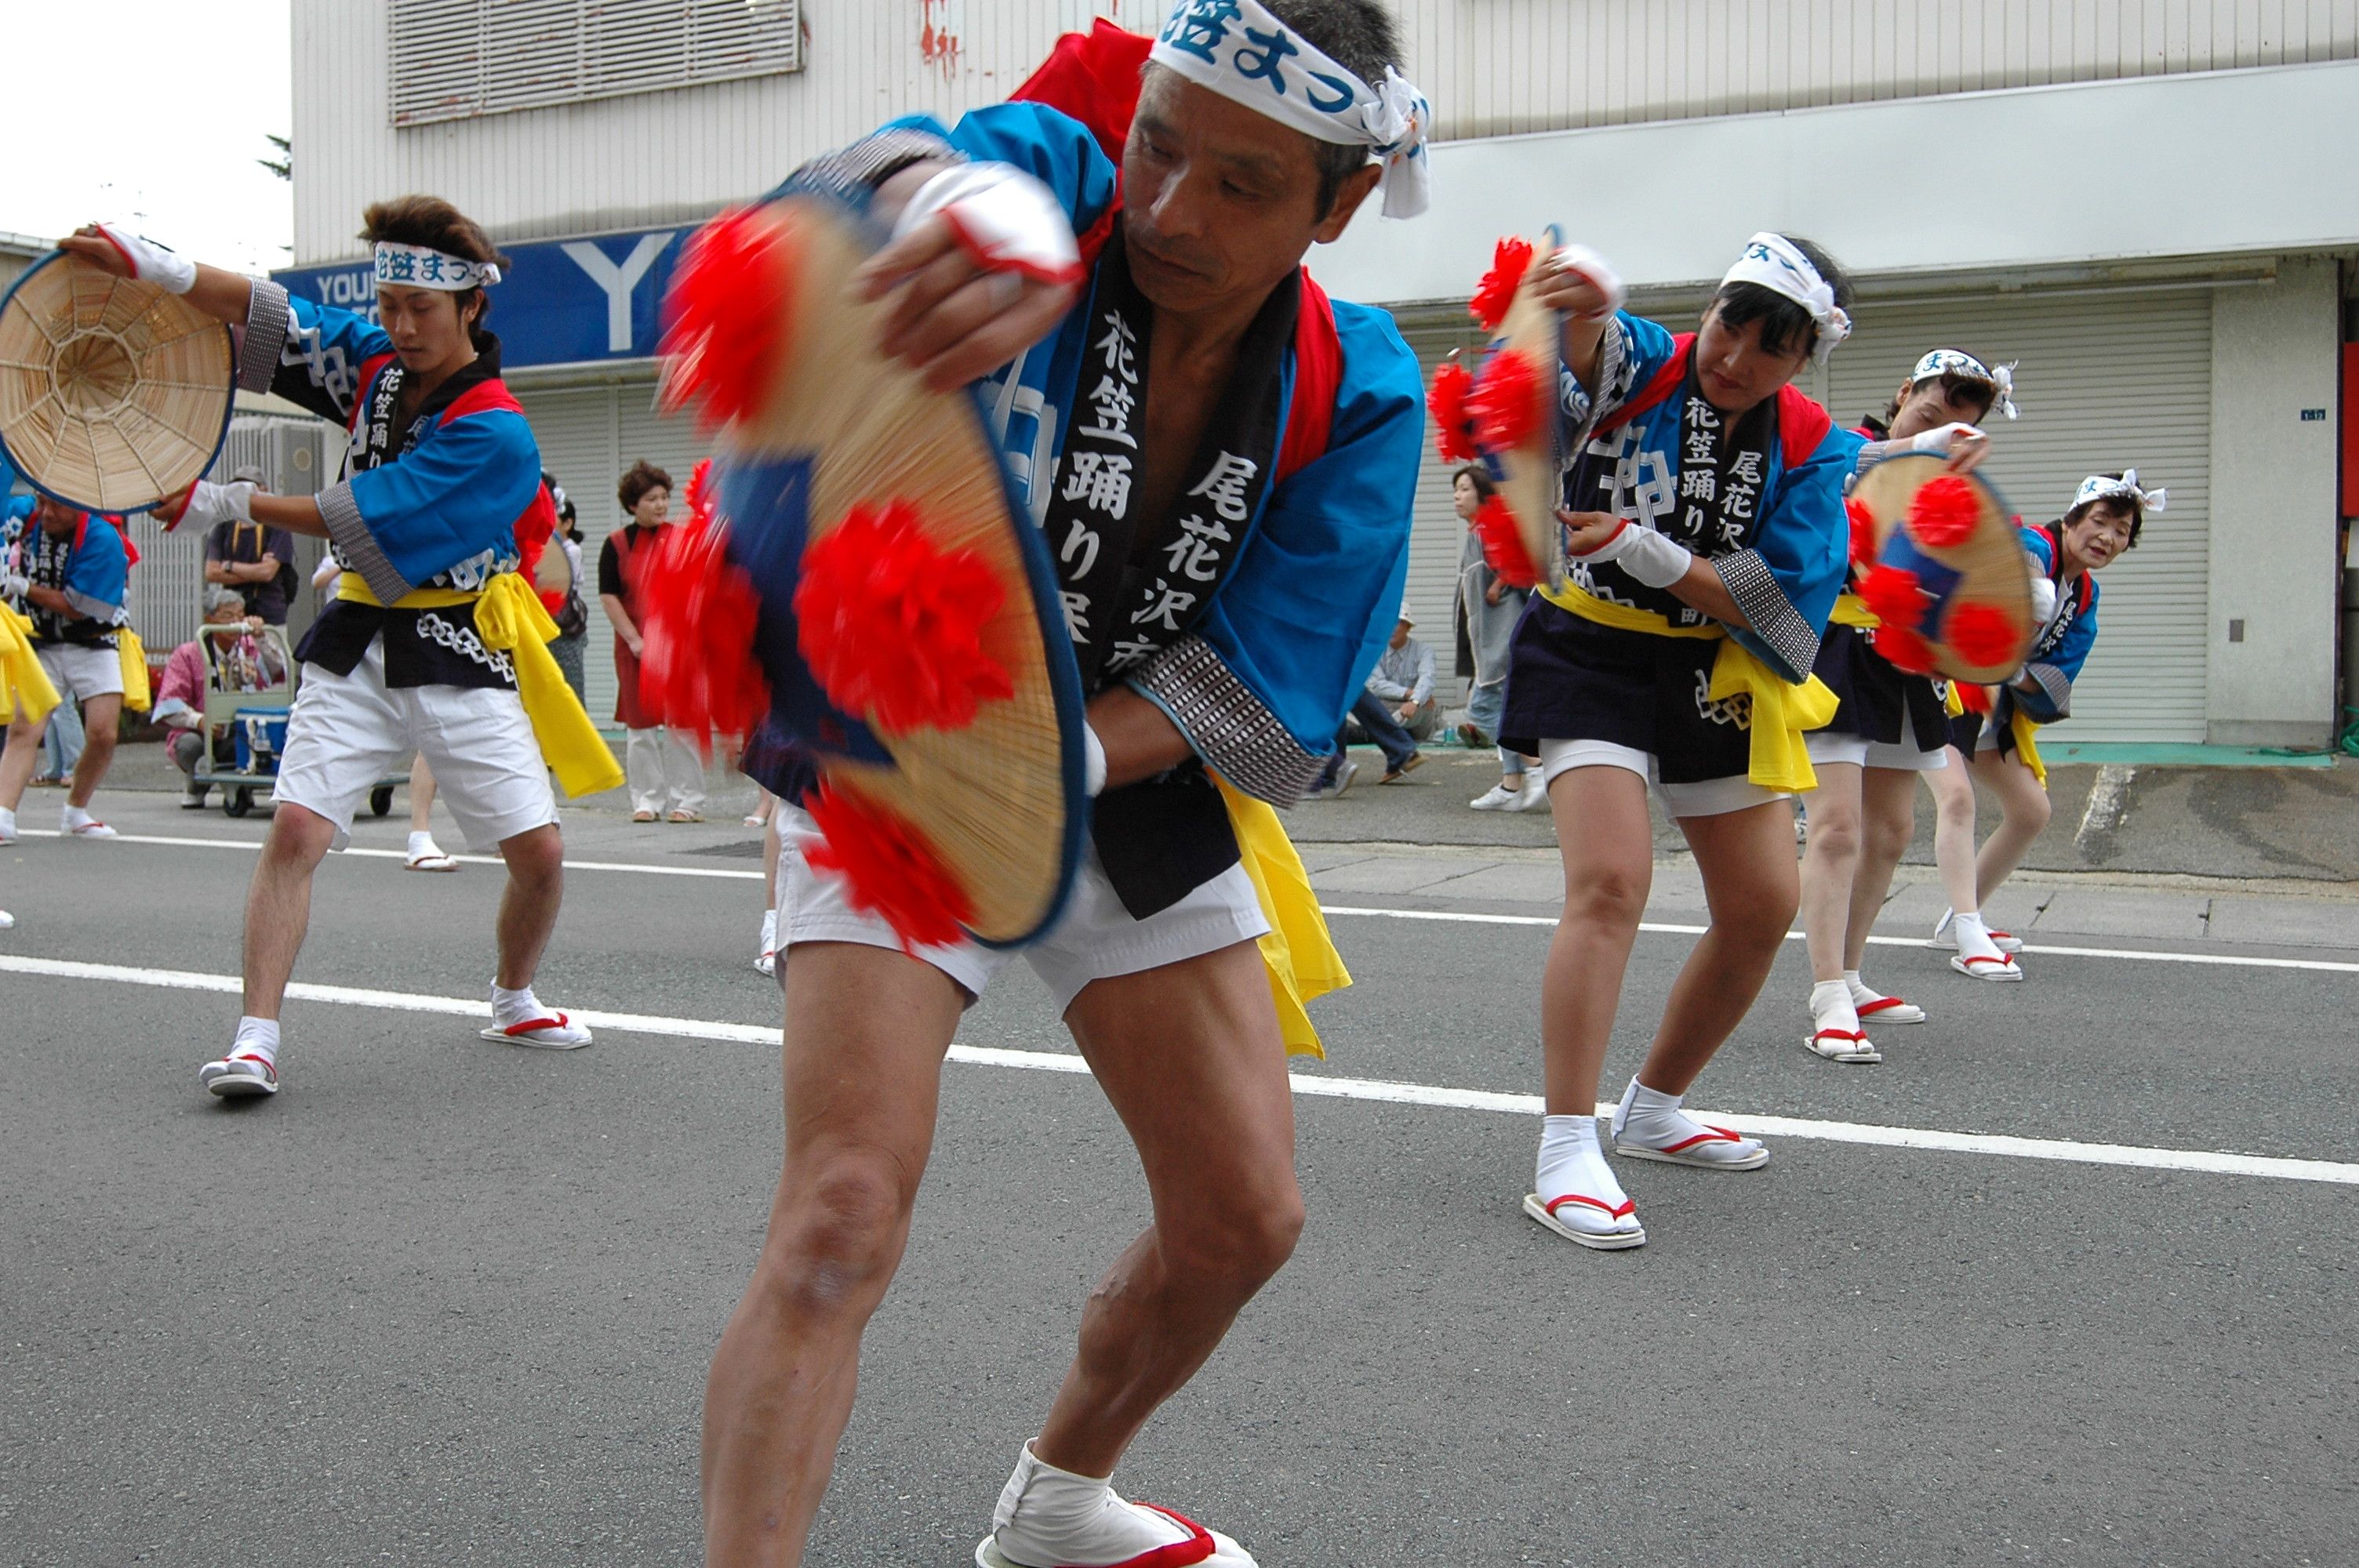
pixel 937 45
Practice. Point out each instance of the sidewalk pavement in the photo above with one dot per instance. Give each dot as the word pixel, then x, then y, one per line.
pixel 2261 856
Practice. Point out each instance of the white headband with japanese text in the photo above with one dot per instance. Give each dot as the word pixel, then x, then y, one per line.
pixel 422 266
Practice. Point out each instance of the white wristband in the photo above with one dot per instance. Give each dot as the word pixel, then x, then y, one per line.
pixel 152 263
pixel 1655 559
pixel 1004 219
pixel 1940 441
pixel 1598 271
pixel 1093 761
pixel 2043 596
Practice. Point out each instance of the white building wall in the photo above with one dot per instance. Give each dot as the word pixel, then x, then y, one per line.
pixel 2275 354
pixel 1489 66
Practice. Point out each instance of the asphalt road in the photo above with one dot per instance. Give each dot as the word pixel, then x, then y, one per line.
pixel 442 1302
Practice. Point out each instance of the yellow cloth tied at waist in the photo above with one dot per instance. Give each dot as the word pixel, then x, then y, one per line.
pixel 1852 610
pixel 25 688
pixel 134 656
pixel 1782 711
pixel 1300 956
pixel 2027 749
pixel 510 620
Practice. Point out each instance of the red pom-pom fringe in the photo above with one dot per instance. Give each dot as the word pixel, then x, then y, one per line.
pixel 704 505
pixel 698 613
pixel 891 624
pixel 1983 636
pixel 1896 596
pixel 1505 404
pixel 1453 430
pixel 1943 513
pixel 1863 533
pixel 727 315
pixel 1509 262
pixel 1974 698
pixel 1904 649
pixel 888 869
pixel 1503 544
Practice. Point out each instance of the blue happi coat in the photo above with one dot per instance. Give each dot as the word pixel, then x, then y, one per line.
pixel 90 566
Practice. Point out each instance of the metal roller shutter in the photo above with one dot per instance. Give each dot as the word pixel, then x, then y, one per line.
pixel 2106 382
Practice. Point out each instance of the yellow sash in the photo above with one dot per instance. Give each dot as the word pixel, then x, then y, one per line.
pixel 25 686
pixel 1852 610
pixel 2027 749
pixel 1951 702
pixel 510 620
pixel 1297 951
pixel 128 648
pixel 1782 711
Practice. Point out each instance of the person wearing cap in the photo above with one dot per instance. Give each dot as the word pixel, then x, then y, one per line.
pixel 432 641
pixel 1890 727
pixel 256 560
pixel 1223 461
pixel 1705 541
pixel 1994 739
pixel 69 573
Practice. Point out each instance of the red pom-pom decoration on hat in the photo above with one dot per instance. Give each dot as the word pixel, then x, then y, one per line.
pixel 1904 649
pixel 1896 596
pixel 1863 533
pixel 888 869
pixel 1505 404
pixel 698 613
pixel 891 623
pixel 1943 513
pixel 725 316
pixel 1503 544
pixel 1509 262
pixel 1453 430
pixel 1983 635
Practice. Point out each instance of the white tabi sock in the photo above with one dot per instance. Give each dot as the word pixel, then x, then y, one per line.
pixel 513 1006
pixel 1974 937
pixel 1832 1006
pixel 256 1037
pixel 1047 1517
pixel 77 816
pixel 8 823
pixel 769 931
pixel 421 843
pixel 1570 1162
pixel 1653 1120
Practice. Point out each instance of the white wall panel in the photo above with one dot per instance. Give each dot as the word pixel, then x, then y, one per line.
pixel 1491 67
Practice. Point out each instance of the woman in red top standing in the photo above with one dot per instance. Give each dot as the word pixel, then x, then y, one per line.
pixel 667 776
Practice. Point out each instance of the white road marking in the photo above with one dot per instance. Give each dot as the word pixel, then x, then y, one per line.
pixel 2234 961
pixel 1432 1096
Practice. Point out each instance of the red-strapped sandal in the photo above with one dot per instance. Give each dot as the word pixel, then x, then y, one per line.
pixel 1199 1547
pixel 1891 1008
pixel 1678 1154
pixel 2001 967
pixel 1841 1046
pixel 551 1031
pixel 1596 1240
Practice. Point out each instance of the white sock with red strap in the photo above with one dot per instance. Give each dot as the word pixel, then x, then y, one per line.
pixel 1654 1119
pixel 1573 1181
pixel 256 1037
pixel 1974 939
pixel 1833 1012
pixel 510 1007
pixel 1871 1004
pixel 1046 1516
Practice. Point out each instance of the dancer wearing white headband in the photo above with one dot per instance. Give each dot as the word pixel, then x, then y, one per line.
pixel 1705 536
pixel 1995 736
pixel 1890 727
pixel 432 643
pixel 1223 460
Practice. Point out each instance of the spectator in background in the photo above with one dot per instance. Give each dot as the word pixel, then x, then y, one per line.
pixel 247 663
pixel 1398 693
pixel 70 572
pixel 1404 679
pixel 257 561
pixel 664 768
pixel 572 613
pixel 1488 608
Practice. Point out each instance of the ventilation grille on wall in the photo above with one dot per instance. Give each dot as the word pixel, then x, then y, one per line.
pixel 455 60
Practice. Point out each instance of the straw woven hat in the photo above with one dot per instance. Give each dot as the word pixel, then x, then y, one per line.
pixel 114 394
pixel 1531 472
pixel 1962 567
pixel 836 429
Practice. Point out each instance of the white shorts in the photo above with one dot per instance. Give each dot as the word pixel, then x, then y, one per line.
pixel 346 732
pixel 81 673
pixel 1706 798
pixel 1830 746
pixel 1095 939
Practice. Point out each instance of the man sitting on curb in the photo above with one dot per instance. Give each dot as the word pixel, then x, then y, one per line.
pixel 1394 712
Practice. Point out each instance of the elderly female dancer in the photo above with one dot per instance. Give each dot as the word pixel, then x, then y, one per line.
pixel 1891 727
pixel 1705 529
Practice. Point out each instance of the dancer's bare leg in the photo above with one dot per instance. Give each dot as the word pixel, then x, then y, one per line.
pixel 1190 1056
pixel 2024 811
pixel 278 902
pixel 1753 889
pixel 865 1041
pixel 1607 842
pixel 421 793
pixel 528 905
pixel 1831 867
pixel 1953 789
pixel 1887 821
pixel 101 722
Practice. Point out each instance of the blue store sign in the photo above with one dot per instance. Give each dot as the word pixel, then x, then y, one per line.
pixel 562 302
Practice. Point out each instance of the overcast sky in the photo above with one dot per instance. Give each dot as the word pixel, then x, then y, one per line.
pixel 153 114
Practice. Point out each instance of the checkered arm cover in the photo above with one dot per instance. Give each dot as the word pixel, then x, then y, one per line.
pixel 1769 614
pixel 1227 725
